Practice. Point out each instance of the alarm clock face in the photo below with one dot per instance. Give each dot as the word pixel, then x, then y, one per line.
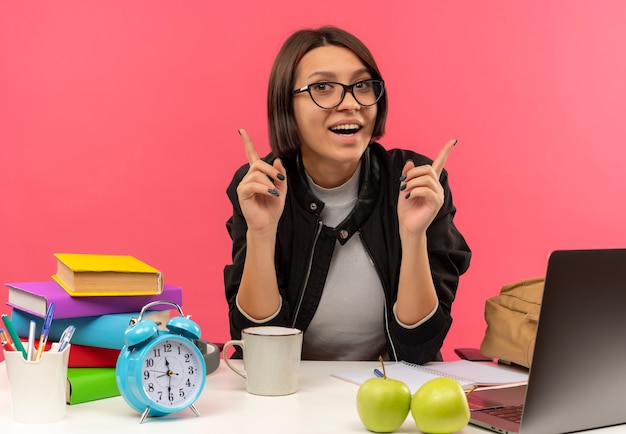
pixel 172 374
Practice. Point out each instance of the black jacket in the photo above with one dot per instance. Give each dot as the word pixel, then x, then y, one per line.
pixel 304 247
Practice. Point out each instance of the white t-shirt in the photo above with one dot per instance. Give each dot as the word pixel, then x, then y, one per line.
pixel 349 321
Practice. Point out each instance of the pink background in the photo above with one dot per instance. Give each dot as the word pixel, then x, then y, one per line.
pixel 118 128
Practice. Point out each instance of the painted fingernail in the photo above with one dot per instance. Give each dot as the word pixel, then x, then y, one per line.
pixel 239 131
pixel 280 176
pixel 273 191
pixel 407 195
pixel 403 177
pixel 455 142
pixel 403 187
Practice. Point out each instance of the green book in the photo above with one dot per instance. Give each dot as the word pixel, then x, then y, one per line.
pixel 90 384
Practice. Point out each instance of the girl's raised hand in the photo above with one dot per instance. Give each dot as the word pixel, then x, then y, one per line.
pixel 262 190
pixel 421 193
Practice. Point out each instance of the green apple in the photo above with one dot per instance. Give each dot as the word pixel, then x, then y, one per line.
pixel 440 406
pixel 383 404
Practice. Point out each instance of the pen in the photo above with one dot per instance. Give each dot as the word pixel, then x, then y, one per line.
pixel 14 336
pixel 45 330
pixel 5 338
pixel 378 373
pixel 7 346
pixel 30 349
pixel 66 337
pixel 6 341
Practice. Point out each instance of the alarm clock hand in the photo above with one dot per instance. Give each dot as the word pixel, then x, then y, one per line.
pixel 163 373
pixel 169 371
pixel 169 377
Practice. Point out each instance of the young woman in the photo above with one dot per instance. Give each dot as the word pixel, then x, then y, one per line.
pixel 333 234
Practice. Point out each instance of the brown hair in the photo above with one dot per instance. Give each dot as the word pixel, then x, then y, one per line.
pixel 283 131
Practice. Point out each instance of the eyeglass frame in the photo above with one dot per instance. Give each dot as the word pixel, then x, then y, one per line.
pixel 346 88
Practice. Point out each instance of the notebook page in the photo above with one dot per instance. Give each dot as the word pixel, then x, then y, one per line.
pixel 413 376
pixel 481 373
pixel 465 372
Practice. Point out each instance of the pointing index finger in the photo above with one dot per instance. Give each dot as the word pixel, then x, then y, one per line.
pixel 251 153
pixel 440 161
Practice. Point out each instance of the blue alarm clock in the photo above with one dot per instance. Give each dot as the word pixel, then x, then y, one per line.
pixel 161 371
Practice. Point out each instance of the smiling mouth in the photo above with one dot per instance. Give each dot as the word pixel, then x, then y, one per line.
pixel 346 130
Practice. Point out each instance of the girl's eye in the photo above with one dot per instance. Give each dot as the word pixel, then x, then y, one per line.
pixel 363 85
pixel 322 87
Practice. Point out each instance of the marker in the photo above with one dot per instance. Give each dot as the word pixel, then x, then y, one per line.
pixel 66 337
pixel 16 339
pixel 378 373
pixel 45 330
pixel 30 351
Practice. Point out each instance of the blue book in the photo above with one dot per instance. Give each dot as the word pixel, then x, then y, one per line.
pixel 105 331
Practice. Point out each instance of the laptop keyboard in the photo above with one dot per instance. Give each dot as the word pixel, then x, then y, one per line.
pixel 512 413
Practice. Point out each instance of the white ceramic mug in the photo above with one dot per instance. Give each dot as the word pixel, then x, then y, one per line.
pixel 38 389
pixel 271 359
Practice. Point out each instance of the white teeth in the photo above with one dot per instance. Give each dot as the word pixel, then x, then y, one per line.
pixel 347 127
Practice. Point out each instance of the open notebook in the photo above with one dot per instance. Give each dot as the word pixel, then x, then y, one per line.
pixel 467 373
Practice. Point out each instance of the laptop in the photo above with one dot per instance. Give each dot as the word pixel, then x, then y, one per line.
pixel 577 379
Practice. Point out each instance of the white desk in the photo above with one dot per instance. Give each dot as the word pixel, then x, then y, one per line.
pixel 323 404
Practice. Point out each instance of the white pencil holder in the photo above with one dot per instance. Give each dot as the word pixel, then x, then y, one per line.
pixel 38 388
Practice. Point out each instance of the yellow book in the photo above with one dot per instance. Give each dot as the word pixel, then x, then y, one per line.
pixel 100 275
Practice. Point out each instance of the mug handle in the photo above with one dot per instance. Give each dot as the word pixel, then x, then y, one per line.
pixel 239 343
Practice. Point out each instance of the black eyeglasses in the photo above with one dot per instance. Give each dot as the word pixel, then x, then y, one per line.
pixel 329 94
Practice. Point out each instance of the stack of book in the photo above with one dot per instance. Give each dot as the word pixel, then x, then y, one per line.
pixel 98 295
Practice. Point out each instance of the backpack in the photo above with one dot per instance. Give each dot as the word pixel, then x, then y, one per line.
pixel 511 318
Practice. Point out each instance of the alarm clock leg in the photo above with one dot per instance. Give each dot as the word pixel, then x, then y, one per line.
pixel 194 410
pixel 144 414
